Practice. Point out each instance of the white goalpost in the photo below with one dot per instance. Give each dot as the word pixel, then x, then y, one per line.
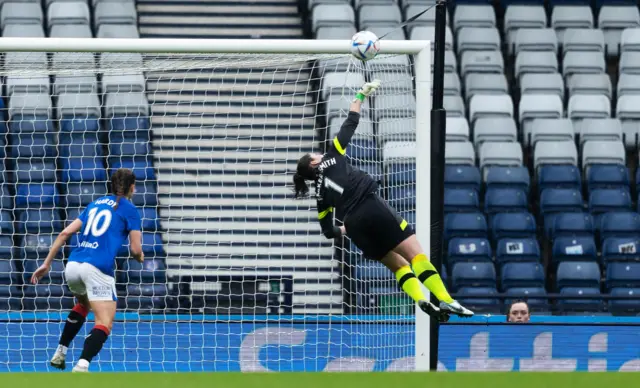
pixel 237 274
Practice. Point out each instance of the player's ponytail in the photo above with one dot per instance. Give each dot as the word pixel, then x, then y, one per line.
pixel 304 173
pixel 121 182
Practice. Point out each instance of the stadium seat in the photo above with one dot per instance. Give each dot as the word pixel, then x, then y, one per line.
pixel 130 31
pixel 500 154
pixel 534 39
pixel 330 15
pixel 466 249
pixel 498 177
pixel 539 83
pixel 539 106
pixel 550 130
pixel 460 176
pixel 523 16
pixel 402 197
pixel 460 153
pixel 517 250
pixel 544 62
pixel 68 12
pixel 39 221
pixel 79 112
pixel 512 225
pixel 457 129
pixel 621 249
pixel 568 16
pixel 473 15
pixel 480 62
pixel 613 19
pixel 578 274
pixel 589 106
pixel 623 275
pixel 79 145
pixel 547 152
pixel 144 298
pixel 70 31
pixel 21 13
pixel 35 246
pixel 32 145
pixel 575 299
pixel 583 39
pixel 479 298
pixel 6 199
pixel 599 130
pixel 454 105
pixel 35 170
pixel 627 305
pixel 36 194
pixel 603 152
pixel 574 248
pixel 146 194
pixel 125 83
pixel 370 15
pixel 498 129
pixel 490 105
pixel 536 297
pixel 141 167
pixel 608 176
pixel 625 224
pixel 8 273
pixel 31 107
pixel 486 84
pixel 464 225
pixel 130 148
pixel 554 176
pixel 505 200
pixel 150 272
pixel 82 194
pixel 151 220
pixel 24 85
pixel 83 169
pixel 23 31
pixel 461 200
pixel 480 274
pixel 114 13
pixel 590 84
pixel 152 245
pixel 6 223
pixel 426 32
pixel 609 200
pixel 554 201
pixel 477 39
pixel 583 62
pixel 524 274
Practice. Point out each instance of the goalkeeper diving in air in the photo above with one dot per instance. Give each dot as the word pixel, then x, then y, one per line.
pixel 104 225
pixel 376 228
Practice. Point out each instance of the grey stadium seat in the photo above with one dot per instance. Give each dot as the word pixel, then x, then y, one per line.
pixel 459 152
pixel 523 16
pixel 534 106
pixel 341 83
pixel 585 62
pixel 555 152
pixel 70 31
pixel 450 62
pixel 115 13
pixel 23 31
pixel 538 39
pixel 390 63
pixel 457 129
pixel 600 130
pixel 398 151
pixel 630 40
pixel 590 84
pixel 428 33
pixel 119 60
pixel 365 127
pixel 131 82
pixel 477 83
pixel 66 61
pixel 536 62
pixel 338 106
pixel 28 84
pixel 95 2
pixel 500 129
pixel 393 82
pixel 75 84
pixel 427 19
pixel 481 15
pixel 543 125
pixel 128 31
pixel 452 85
pixel 312 3
pixel 629 63
pixel 570 16
pixel 73 12
pixel 481 62
pixel 628 107
pixel 490 105
pixel 454 105
pixel 394 105
pixel 478 39
pixel 493 153
pixel 30 104
pixel 628 84
pixel 396 129
pixel 583 40
pixel 612 20
pixel 21 13
pixel 538 83
pixel 370 15
pixel 603 152
pixel 588 106
pixel 344 32
pixel 72 104
pixel 393 32
pixel 21 61
pixel 120 104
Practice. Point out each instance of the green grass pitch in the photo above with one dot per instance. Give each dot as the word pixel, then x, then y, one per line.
pixel 321 380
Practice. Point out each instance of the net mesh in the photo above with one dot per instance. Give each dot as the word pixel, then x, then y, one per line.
pixel 233 264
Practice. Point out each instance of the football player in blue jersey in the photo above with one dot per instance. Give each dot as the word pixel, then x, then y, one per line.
pixel 104 225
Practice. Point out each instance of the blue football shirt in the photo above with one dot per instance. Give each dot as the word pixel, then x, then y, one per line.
pixel 103 232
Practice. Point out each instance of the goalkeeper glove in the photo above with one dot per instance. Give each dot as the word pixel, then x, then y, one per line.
pixel 367 89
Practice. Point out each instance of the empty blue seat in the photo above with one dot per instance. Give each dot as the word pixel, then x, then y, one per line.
pixel 479 298
pixel 512 225
pixel 505 200
pixel 146 194
pixel 80 124
pixel 560 201
pixel 621 249
pixel 31 123
pixel 607 176
pixel 80 145
pixel 83 169
pixel 517 250
pixel 572 224
pixel 468 249
pixel 628 305
pixel 360 149
pixel 6 222
pixel 521 275
pixel 8 272
pixel 399 174
pixel 121 127
pixel 54 297
pixel 508 177
pixel 36 246
pixel 6 199
pixel 152 245
pixel 6 247
pixel 141 167
pixel 35 170
pixel 32 145
pixel 619 225
pixel 623 275
pixel 368 270
pixel 39 221
pixel 461 200
pixel 473 275
pixel 151 271
pixel 465 225
pixel 574 299
pixel 402 197
pixel 536 297
pixel 82 194
pixel 609 200
pixel 36 195
pixel 131 148
pixel 11 298
pixel 463 177
pixel 141 297
pixel 574 248
pixel 55 275
pixel 578 274
pixel 554 176
pixel 150 219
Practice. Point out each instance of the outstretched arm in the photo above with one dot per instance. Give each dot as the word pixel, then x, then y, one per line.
pixel 348 128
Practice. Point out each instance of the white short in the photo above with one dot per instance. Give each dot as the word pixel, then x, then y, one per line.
pixel 85 279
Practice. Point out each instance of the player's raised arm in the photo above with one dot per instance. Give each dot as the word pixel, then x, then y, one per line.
pixel 348 128
pixel 62 238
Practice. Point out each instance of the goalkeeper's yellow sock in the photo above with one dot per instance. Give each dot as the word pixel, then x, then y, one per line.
pixel 409 283
pixel 428 275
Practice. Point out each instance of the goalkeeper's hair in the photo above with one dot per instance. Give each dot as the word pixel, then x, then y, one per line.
pixel 304 172
pixel 121 182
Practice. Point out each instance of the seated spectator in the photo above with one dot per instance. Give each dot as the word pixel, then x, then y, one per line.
pixel 518 312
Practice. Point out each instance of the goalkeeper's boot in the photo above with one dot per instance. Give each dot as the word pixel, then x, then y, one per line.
pixel 59 360
pixel 81 367
pixel 433 311
pixel 456 309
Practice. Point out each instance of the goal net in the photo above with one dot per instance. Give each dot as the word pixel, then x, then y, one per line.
pixel 237 275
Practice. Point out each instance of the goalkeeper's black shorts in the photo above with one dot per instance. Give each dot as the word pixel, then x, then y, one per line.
pixel 375 227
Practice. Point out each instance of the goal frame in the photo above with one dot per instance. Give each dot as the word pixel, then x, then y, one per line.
pixel 420 49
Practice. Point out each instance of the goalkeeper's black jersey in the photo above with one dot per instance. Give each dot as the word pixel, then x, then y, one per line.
pixel 340 185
